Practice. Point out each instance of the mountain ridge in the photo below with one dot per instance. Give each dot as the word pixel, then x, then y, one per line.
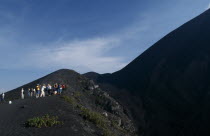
pixel 84 108
pixel 170 81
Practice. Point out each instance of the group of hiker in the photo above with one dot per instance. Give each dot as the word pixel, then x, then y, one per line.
pixel 43 90
pixel 40 91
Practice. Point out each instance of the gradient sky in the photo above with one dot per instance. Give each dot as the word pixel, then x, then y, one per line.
pixel 40 36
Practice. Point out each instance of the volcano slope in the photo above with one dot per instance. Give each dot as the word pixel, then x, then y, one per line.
pixel 83 110
pixel 168 85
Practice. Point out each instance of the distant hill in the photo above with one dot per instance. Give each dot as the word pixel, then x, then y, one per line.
pixel 169 84
pixel 84 108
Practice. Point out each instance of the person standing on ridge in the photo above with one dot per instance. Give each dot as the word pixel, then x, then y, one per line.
pixel 29 92
pixel 34 92
pixel 43 91
pixel 55 88
pixel 22 93
pixel 37 91
pixel 60 89
pixel 63 87
pixel 2 97
pixel 49 89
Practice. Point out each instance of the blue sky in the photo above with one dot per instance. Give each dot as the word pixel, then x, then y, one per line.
pixel 40 36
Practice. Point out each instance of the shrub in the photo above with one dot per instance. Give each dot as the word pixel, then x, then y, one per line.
pixel 93 117
pixel 44 121
pixel 107 132
pixel 77 94
pixel 98 119
pixel 70 100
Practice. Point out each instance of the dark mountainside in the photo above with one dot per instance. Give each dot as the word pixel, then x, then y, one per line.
pixel 168 86
pixel 84 109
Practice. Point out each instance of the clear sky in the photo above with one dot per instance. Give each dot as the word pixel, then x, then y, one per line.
pixel 40 36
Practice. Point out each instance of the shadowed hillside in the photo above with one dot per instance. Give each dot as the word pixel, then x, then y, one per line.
pixel 170 82
pixel 82 109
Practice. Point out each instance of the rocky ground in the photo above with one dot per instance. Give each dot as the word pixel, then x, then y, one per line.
pixel 84 109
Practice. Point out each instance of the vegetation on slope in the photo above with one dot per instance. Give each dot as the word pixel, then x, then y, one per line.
pixel 43 121
pixel 92 116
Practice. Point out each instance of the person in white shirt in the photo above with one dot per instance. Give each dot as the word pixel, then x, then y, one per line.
pixel 22 93
pixel 2 97
pixel 43 91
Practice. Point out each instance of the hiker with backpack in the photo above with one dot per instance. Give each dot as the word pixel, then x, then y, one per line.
pixel 38 91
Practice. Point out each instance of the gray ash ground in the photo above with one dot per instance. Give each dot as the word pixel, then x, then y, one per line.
pixel 84 93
